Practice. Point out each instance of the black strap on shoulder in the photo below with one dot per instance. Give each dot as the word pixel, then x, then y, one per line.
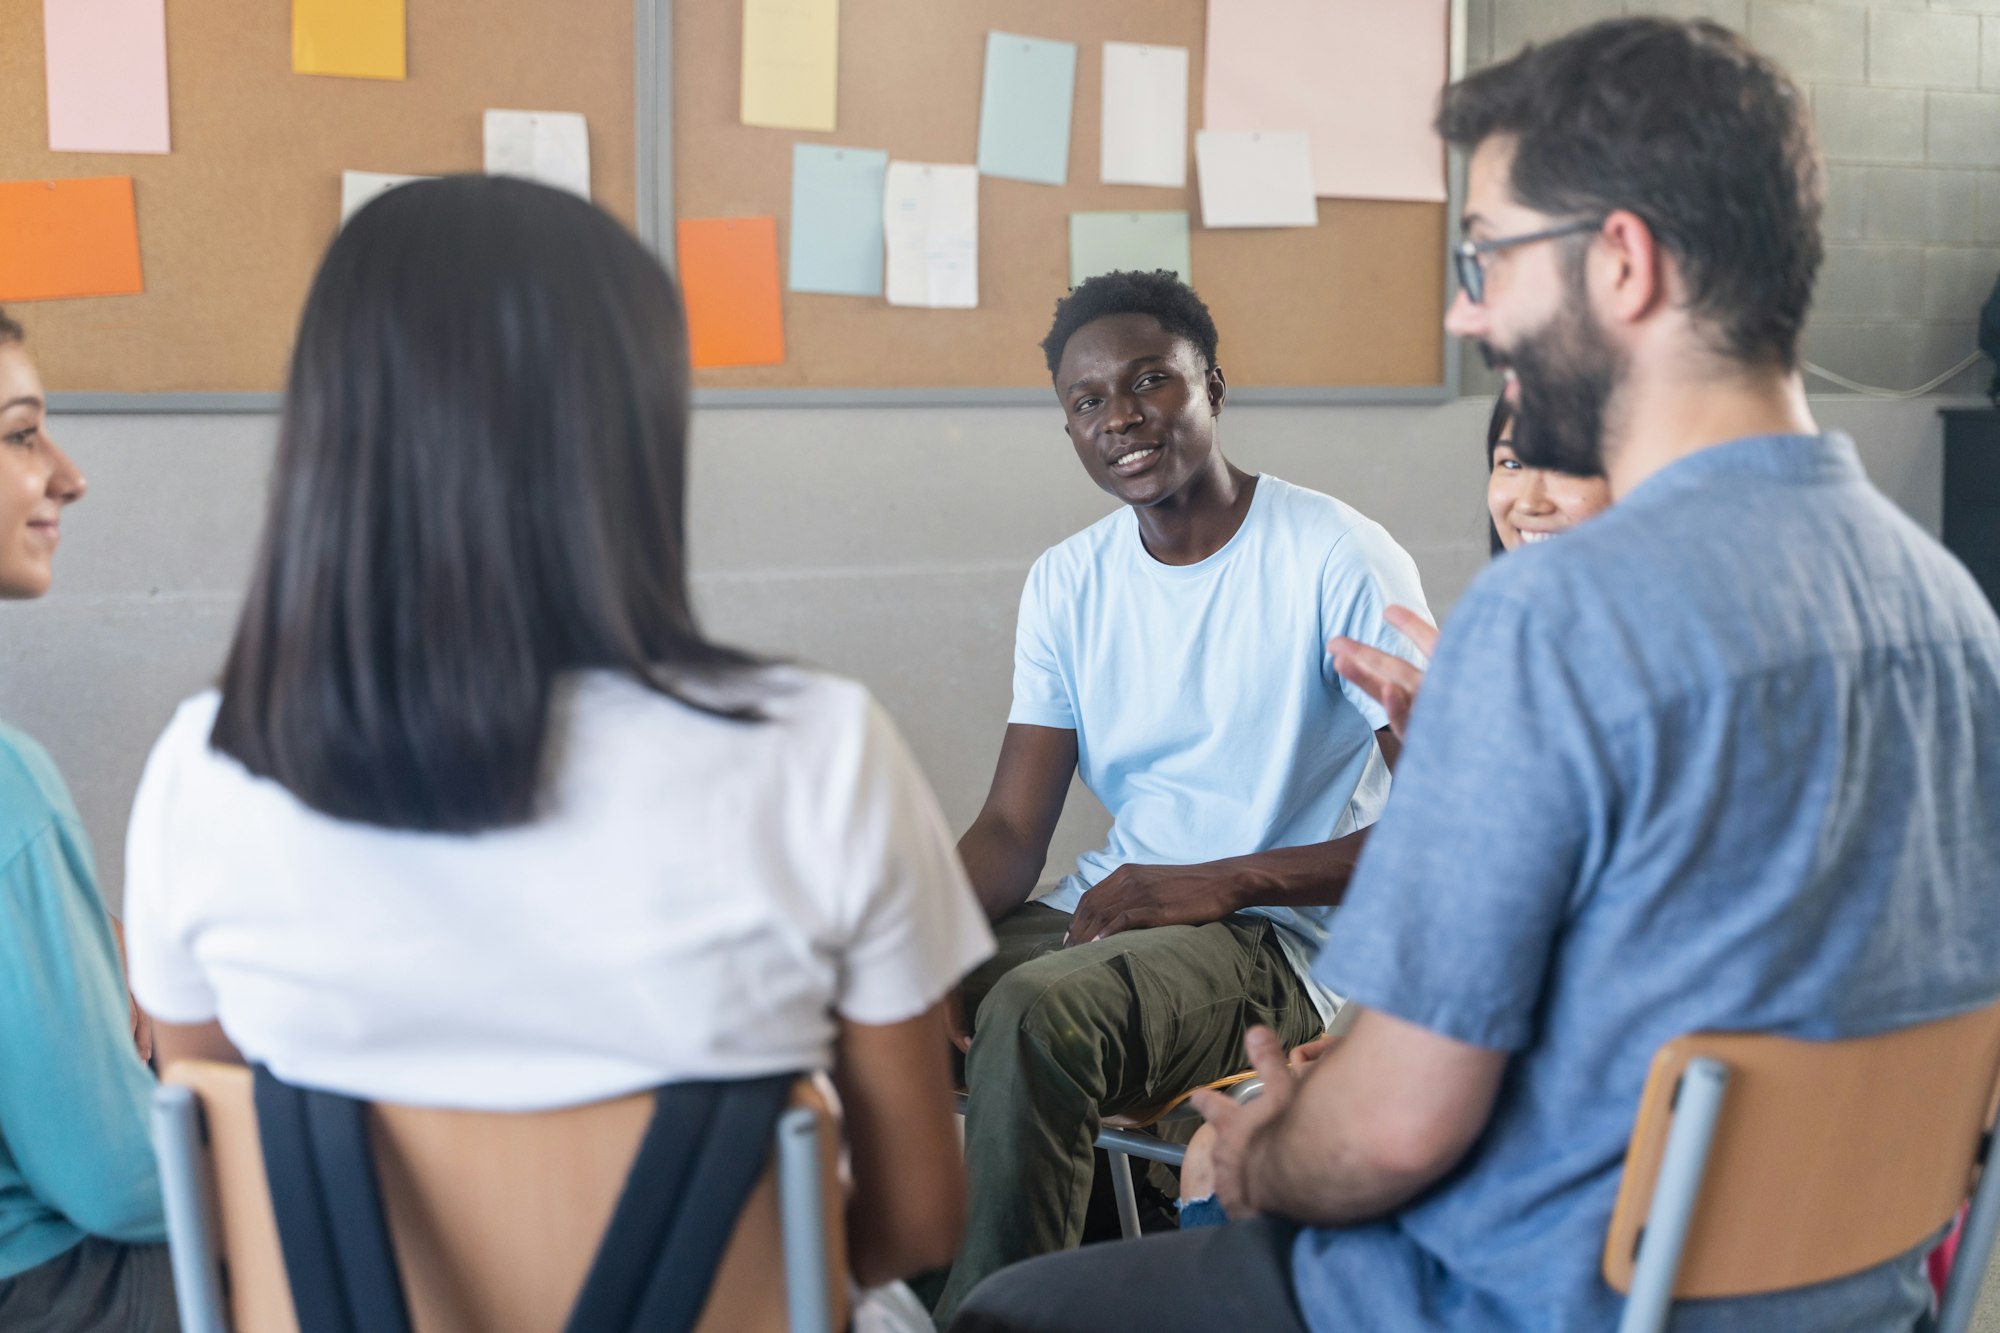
pixel 704 1150
pixel 702 1155
pixel 331 1225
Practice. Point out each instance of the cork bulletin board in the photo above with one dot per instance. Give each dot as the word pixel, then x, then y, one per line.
pixel 233 221
pixel 1354 303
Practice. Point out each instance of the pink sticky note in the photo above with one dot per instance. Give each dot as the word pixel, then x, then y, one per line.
pixel 1359 77
pixel 107 75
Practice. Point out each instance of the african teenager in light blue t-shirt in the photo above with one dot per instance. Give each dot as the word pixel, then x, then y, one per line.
pixel 1173 655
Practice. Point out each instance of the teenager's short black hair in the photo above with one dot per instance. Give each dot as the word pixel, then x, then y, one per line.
pixel 1686 126
pixel 1160 294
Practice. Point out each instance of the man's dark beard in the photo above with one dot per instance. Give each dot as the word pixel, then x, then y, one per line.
pixel 1566 372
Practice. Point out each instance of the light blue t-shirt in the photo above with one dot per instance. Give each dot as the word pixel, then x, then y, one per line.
pixel 1208 716
pixel 1725 758
pixel 75 1159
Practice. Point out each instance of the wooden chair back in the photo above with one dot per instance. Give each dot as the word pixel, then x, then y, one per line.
pixel 1830 1156
pixel 495 1216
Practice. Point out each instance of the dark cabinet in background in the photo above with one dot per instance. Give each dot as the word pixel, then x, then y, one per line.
pixel 1972 492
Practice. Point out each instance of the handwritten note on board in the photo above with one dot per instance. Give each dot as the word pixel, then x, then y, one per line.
pixel 791 63
pixel 930 222
pixel 68 238
pixel 1024 108
pixel 728 269
pixel 837 220
pixel 107 72
pixel 355 39
pixel 552 147
pixel 1134 242
pixel 1361 77
pixel 1145 115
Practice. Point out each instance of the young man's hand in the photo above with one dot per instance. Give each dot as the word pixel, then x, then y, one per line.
pixel 1133 897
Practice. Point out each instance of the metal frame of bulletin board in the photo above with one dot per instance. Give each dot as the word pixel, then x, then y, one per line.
pixel 653 72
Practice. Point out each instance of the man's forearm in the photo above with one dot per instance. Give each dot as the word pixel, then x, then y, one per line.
pixel 1314 875
pixel 1002 867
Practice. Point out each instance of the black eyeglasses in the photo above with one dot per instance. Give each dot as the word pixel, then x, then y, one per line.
pixel 1468 255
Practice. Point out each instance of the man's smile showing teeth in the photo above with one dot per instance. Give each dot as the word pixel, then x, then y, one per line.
pixel 1133 461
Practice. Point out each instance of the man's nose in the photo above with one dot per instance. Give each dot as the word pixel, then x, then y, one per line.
pixel 1465 318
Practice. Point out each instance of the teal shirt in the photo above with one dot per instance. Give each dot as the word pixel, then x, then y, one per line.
pixel 75 1159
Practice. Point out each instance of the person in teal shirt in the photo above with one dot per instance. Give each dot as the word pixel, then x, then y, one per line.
pixel 81 1228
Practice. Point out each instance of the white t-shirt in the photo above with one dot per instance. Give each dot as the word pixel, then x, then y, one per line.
pixel 699 899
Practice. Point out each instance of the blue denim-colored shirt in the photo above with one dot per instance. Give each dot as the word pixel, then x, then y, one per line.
pixel 75 1158
pixel 1727 757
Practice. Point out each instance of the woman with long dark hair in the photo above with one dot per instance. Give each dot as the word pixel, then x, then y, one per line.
pixel 478 817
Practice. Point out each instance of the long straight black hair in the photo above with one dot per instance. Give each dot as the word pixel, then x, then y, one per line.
pixel 480 486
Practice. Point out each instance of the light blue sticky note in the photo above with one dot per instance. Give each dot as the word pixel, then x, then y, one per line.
pixel 1106 242
pixel 837 219
pixel 1024 108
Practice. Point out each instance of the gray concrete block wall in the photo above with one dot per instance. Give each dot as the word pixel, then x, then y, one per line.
pixel 1906 96
pixel 888 545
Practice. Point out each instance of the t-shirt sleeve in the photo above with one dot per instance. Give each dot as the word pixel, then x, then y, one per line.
pixel 166 978
pixel 912 926
pixel 1453 914
pixel 1365 574
pixel 73 1094
pixel 1041 692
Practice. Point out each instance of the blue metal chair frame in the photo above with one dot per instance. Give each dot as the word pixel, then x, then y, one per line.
pixel 1122 1145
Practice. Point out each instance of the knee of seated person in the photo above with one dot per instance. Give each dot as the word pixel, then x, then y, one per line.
pixel 1029 1010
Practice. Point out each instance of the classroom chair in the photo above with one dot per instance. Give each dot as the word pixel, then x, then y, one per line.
pixel 494 1219
pixel 1123 1137
pixel 1760 1163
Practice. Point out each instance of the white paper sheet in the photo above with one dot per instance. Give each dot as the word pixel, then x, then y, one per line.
pixel 360 187
pixel 1255 178
pixel 1145 115
pixel 930 226
pixel 552 147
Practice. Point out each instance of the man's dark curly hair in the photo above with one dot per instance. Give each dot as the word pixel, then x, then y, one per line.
pixel 1160 294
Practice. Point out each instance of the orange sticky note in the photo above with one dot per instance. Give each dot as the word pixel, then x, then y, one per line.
pixel 729 278
pixel 68 238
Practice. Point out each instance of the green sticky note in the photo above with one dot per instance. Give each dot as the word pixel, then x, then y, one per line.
pixel 1104 242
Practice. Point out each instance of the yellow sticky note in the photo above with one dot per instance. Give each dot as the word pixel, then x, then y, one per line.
pixel 356 39
pixel 791 63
